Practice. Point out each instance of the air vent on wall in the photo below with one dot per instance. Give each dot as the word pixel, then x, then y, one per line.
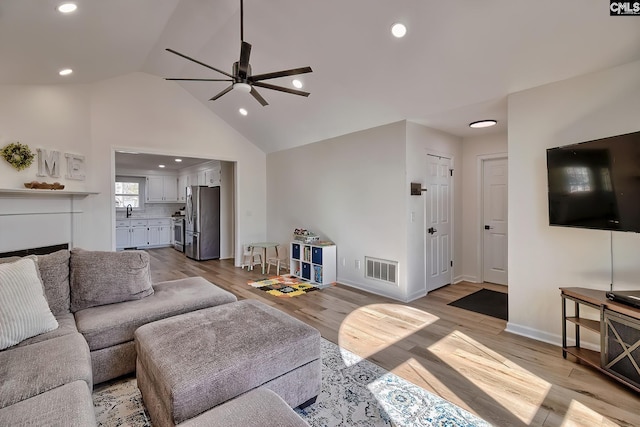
pixel 381 269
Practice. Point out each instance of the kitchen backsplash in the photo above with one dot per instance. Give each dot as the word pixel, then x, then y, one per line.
pixel 153 210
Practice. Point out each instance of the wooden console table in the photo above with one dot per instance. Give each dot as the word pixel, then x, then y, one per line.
pixel 619 330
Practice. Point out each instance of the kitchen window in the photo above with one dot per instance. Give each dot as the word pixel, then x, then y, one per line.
pixel 129 191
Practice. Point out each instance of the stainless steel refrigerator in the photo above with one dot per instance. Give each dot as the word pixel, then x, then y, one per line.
pixel 202 223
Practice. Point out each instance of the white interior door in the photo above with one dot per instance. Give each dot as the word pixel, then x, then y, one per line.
pixel 494 214
pixel 438 222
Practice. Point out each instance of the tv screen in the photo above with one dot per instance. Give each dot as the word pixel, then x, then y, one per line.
pixel 596 184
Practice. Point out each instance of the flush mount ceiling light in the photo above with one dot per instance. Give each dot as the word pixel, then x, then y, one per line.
pixel 65 72
pixel 67 7
pixel 178 160
pixel 398 30
pixel 483 124
pixel 297 84
pixel 243 111
pixel 160 166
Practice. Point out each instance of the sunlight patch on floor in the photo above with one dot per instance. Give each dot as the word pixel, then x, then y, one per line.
pixel 581 415
pixel 488 371
pixel 372 328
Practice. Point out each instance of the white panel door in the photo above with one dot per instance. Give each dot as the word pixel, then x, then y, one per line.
pixel 494 214
pixel 438 222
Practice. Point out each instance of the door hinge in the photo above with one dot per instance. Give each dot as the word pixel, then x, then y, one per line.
pixel 451 172
pixel 451 263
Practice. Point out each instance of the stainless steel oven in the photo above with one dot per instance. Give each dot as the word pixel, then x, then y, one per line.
pixel 178 233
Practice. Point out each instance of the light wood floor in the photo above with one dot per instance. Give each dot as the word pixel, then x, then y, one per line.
pixel 464 357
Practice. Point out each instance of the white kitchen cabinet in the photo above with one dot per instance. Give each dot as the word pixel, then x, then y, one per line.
pixel 212 177
pixel 183 183
pixel 162 188
pixel 123 237
pixel 159 232
pixel 131 233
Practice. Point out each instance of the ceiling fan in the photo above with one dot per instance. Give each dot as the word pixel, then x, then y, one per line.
pixel 241 78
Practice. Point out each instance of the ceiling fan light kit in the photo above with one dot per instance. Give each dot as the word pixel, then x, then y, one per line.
pixel 242 87
pixel 241 78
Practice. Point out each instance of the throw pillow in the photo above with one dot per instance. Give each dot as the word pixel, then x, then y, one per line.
pixel 99 278
pixel 54 271
pixel 24 312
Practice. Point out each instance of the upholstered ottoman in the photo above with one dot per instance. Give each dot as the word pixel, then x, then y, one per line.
pixel 191 363
pixel 258 408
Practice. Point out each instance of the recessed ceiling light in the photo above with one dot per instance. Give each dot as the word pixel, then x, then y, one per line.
pixel 160 166
pixel 178 160
pixel 67 7
pixel 398 30
pixel 243 111
pixel 65 72
pixel 482 124
pixel 297 84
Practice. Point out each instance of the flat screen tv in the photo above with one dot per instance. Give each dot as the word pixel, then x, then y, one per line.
pixel 596 184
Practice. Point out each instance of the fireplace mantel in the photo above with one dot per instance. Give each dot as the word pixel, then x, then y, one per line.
pixel 46 193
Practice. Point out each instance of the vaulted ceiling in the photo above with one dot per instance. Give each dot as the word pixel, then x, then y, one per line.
pixel 457 63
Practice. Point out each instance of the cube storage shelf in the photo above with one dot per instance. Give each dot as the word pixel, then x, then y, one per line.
pixel 313 262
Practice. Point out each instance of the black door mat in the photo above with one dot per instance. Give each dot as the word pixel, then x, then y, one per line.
pixel 485 301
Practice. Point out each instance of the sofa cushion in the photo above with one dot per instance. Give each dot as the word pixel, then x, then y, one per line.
pixel 99 277
pixel 24 311
pixel 36 368
pixel 54 271
pixel 69 405
pixel 66 326
pixel 106 326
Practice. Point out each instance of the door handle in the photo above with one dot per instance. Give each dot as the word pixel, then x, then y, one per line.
pixel 488 227
pixel 432 230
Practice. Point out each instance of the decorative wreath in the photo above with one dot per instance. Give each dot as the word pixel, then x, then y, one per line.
pixel 18 155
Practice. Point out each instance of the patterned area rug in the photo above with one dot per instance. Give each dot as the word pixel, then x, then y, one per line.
pixel 284 286
pixel 355 392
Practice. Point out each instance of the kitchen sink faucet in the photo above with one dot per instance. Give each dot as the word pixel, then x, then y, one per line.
pixel 129 210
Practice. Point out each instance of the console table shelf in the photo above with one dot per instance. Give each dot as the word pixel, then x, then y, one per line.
pixel 619 330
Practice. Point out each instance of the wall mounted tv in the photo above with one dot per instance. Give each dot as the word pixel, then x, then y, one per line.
pixel 596 184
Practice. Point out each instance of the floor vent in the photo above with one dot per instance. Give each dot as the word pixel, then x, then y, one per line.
pixel 381 269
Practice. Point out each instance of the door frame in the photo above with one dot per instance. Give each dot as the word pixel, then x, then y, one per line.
pixel 451 157
pixel 479 206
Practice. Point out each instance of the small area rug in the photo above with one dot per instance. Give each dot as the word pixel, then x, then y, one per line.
pixel 485 301
pixel 355 392
pixel 284 286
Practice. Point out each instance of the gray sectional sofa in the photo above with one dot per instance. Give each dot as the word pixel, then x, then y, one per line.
pixel 98 300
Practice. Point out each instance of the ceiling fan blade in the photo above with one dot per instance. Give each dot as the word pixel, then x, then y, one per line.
pixel 277 74
pixel 282 89
pixel 257 96
pixel 200 80
pixel 243 65
pixel 198 62
pixel 221 93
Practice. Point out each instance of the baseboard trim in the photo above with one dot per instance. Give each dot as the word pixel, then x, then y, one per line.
pixel 553 339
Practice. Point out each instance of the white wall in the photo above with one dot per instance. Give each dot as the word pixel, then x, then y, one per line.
pixel 354 190
pixel 422 140
pixel 53 118
pixel 136 111
pixel 544 258
pixel 351 190
pixel 474 149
